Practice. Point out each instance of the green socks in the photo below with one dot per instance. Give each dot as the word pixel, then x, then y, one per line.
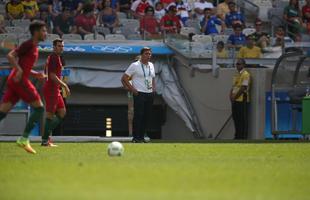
pixel 33 119
pixel 50 124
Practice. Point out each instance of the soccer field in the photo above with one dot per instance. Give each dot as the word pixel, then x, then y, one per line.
pixel 214 171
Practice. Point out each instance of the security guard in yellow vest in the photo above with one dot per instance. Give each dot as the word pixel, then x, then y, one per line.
pixel 240 98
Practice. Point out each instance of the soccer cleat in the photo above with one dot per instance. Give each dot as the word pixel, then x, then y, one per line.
pixel 25 144
pixel 49 143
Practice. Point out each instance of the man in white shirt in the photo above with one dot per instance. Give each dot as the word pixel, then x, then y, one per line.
pixel 199 7
pixel 142 75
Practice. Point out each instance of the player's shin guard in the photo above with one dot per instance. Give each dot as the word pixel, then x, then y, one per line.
pixel 50 125
pixel 33 119
pixel 2 116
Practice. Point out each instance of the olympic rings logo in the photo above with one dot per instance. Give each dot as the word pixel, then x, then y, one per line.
pixel 112 49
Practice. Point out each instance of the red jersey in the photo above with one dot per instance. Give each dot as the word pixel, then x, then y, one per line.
pixel 87 23
pixel 149 24
pixel 27 54
pixel 169 22
pixel 54 65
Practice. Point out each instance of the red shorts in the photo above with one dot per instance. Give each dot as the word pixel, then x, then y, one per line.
pixel 23 90
pixel 53 100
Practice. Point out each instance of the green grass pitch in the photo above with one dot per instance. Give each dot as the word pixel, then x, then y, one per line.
pixel 215 171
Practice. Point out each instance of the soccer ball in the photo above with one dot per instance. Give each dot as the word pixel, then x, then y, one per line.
pixel 115 149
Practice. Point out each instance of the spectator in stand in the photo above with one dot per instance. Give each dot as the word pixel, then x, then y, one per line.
pixel 31 9
pixel 75 6
pixel 183 10
pixel 54 8
pixel 200 6
pixel 124 6
pixel 262 39
pixel 209 22
pixel 138 8
pixel 306 15
pixel 2 25
pixel 222 9
pixel 44 16
pixel 280 35
pixel 14 10
pixel 159 11
pixel 292 16
pixel 237 39
pixel 149 24
pixel 233 17
pixel 108 16
pixel 170 23
pixel 64 23
pixel 86 21
pixel 250 50
pixel 43 5
pixel 220 50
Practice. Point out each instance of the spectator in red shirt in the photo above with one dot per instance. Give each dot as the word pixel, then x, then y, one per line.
pixel 148 24
pixel 170 23
pixel 306 15
pixel 166 2
pixel 138 8
pixel 85 22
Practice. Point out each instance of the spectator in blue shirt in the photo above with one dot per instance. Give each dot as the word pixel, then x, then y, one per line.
pixel 75 6
pixel 237 39
pixel 234 16
pixel 209 22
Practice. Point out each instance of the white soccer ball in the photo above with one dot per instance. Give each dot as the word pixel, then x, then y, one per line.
pixel 115 149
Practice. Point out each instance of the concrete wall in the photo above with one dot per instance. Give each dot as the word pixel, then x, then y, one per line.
pixel 210 98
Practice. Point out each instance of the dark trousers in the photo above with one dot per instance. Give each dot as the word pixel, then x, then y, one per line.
pixel 142 110
pixel 241 119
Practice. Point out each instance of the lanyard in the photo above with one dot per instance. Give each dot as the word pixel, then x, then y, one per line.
pixel 144 71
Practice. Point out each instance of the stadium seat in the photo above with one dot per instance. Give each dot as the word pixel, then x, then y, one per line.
pixel 93 37
pixel 72 37
pixel 117 37
pixel 121 15
pixel 202 38
pixel 228 31
pixel 194 23
pixel 21 23
pixel 129 30
pixel 130 22
pixel 51 37
pixel 218 38
pixel 15 29
pixel 248 31
pixel 187 30
pixel 133 37
pixel 23 37
pixel 101 29
pixel 8 36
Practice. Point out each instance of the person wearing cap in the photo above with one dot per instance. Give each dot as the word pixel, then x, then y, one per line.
pixel 200 6
pixel 148 23
pixel 261 38
pixel 240 99
pixel 250 50
pixel 170 23
pixel 233 17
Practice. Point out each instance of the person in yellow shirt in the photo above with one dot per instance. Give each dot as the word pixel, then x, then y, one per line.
pixel 31 9
pixel 14 10
pixel 250 50
pixel 240 99
pixel 220 50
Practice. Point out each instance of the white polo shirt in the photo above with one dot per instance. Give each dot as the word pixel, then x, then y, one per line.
pixel 202 6
pixel 142 81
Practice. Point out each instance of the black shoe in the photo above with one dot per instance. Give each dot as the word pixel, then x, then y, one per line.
pixel 134 140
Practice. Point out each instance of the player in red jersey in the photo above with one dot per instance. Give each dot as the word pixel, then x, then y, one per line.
pixel 22 59
pixel 54 103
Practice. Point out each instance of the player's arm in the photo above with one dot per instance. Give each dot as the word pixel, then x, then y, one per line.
pixel 58 81
pixel 12 58
pixel 127 85
pixel 37 75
